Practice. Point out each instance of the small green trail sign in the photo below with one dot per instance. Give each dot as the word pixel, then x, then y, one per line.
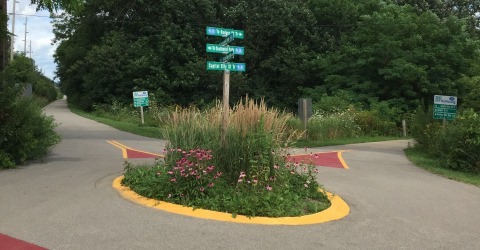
pixel 140 99
pixel 226 66
pixel 444 107
pixel 221 49
pixel 214 31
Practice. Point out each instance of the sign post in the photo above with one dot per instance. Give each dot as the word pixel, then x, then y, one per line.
pixel 229 53
pixel 140 99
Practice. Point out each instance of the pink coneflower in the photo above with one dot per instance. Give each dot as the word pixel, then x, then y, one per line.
pixel 276 166
pixel 202 189
pixel 210 184
pixel 170 172
pixel 173 180
pixel 269 188
pixel 242 175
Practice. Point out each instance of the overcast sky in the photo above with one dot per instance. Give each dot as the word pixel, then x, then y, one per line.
pixel 39 33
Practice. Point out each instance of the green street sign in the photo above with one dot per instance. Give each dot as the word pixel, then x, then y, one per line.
pixel 140 102
pixel 214 31
pixel 140 99
pixel 442 111
pixel 215 48
pixel 444 107
pixel 226 66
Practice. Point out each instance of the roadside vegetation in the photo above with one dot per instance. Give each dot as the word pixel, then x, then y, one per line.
pixel 451 150
pixel 246 174
pixel 366 65
pixel 26 133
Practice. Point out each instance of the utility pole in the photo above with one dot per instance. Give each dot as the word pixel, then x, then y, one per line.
pixel 12 40
pixel 30 49
pixel 25 41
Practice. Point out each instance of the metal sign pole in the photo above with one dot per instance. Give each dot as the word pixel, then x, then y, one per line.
pixel 226 108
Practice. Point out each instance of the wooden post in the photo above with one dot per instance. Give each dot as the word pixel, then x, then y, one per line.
pixel 141 114
pixel 226 106
pixel 444 126
pixel 305 118
pixel 404 126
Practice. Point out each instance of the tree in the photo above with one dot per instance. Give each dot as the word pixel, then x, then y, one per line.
pixel 399 56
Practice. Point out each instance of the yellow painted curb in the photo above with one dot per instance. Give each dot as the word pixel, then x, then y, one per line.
pixel 336 211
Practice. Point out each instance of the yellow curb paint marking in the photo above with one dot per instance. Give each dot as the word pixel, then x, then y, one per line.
pixel 339 155
pixel 124 149
pixel 336 211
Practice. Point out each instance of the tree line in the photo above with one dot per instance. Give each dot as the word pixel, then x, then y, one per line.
pixel 400 52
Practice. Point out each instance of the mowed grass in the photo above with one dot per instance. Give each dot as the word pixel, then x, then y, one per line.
pixel 134 128
pixel 344 141
pixel 433 165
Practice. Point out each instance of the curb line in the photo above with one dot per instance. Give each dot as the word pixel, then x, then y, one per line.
pixel 338 210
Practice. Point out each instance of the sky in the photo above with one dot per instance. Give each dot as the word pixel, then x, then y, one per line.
pixel 39 33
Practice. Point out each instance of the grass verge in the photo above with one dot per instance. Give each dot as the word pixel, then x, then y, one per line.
pixel 344 141
pixel 152 132
pixel 433 165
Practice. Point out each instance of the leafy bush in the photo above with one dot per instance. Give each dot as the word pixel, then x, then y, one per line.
pixel 25 131
pixel 456 144
pixel 244 175
pixel 332 126
pixel 254 132
pixel 193 181
pixel 459 144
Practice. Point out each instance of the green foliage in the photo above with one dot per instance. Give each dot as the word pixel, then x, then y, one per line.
pixel 332 126
pixel 21 71
pixel 457 144
pixel 341 53
pixel 26 133
pixel 192 181
pixel 253 134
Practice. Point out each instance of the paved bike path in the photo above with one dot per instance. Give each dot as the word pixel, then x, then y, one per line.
pixel 67 202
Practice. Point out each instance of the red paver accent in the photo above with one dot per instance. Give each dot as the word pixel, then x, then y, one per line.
pixel 329 159
pixel 9 243
pixel 138 154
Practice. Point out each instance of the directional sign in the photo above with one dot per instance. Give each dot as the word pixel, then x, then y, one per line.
pixel 227 57
pixel 140 99
pixel 214 31
pixel 226 66
pixel 214 48
pixel 227 40
pixel 444 107
pixel 140 94
pixel 442 99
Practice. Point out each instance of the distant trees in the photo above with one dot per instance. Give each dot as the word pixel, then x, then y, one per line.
pixel 365 51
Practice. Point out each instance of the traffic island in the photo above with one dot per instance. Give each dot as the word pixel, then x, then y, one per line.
pixel 338 210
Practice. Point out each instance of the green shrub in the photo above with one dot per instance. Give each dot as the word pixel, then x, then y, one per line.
pixel 6 160
pixel 25 131
pixel 193 181
pixel 254 133
pixel 332 126
pixel 459 144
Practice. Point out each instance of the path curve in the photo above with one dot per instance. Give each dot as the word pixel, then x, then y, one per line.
pixel 67 202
